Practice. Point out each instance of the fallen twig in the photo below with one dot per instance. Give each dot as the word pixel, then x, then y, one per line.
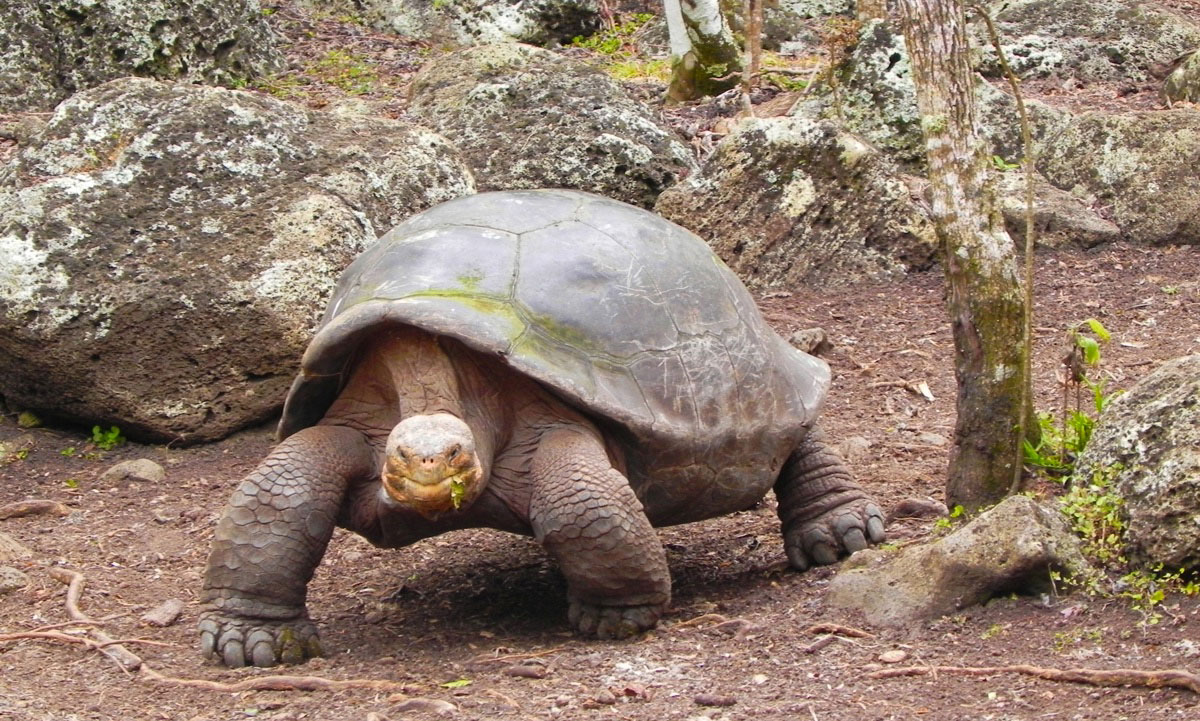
pixel 32 508
pixel 837 630
pixel 1169 678
pixel 129 661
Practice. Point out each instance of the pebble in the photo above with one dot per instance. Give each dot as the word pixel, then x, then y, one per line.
pixel 141 470
pixel 606 697
pixel 427 705
pixel 165 614
pixel 12 580
pixel 11 549
pixel 712 699
pixel 893 656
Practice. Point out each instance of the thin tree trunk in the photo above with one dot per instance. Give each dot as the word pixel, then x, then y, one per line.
pixel 705 57
pixel 985 296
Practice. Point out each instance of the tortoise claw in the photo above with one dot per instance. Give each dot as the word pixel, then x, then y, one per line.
pixel 236 641
pixel 613 622
pixel 834 534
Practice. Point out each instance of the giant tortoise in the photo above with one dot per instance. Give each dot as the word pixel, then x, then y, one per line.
pixel 549 363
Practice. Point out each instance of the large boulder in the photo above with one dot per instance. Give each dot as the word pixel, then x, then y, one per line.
pixel 469 22
pixel 52 48
pixel 790 201
pixel 1149 437
pixel 1010 548
pixel 1141 165
pixel 1091 40
pixel 530 118
pixel 165 250
pixel 874 96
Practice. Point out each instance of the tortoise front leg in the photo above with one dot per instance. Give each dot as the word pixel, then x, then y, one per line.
pixel 824 512
pixel 269 541
pixel 584 513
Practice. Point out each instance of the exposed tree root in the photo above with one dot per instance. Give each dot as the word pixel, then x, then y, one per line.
pixel 1169 678
pixel 33 508
pixel 129 661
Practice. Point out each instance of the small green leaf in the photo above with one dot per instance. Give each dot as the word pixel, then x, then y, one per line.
pixel 460 683
pixel 1090 348
pixel 1099 329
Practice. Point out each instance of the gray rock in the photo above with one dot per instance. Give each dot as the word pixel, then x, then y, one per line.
pixel 1141 165
pixel 1152 433
pixel 1183 84
pixel 1059 218
pixel 875 98
pixel 469 22
pixel 789 201
pixel 12 580
pixel 165 250
pixel 529 118
pixel 1092 40
pixel 164 614
pixel 142 470
pixel 1009 548
pixel 11 549
pixel 918 508
pixel 50 49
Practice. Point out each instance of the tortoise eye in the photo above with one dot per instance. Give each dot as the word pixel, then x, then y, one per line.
pixel 455 451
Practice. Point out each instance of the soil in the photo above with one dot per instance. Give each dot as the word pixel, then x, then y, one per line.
pixel 473 624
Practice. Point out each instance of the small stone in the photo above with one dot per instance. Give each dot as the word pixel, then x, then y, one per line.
pixel 918 508
pixel 141 470
pixel 893 656
pixel 932 439
pixel 853 448
pixel 11 549
pixel 711 699
pixel 811 340
pixel 606 697
pixel 427 705
pixel 12 580
pixel 526 671
pixel 165 614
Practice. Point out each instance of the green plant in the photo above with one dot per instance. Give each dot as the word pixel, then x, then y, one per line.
pixel 346 71
pixel 945 523
pixel 107 440
pixel 619 39
pixel 71 483
pixel 1061 441
pixel 68 452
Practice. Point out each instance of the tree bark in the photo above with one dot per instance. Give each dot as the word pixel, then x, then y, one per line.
pixel 705 57
pixel 985 296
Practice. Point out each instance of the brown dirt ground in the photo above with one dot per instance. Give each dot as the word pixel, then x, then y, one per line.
pixel 488 608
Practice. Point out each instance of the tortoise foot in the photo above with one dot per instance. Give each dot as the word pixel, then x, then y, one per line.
pixel 834 534
pixel 613 622
pixel 237 641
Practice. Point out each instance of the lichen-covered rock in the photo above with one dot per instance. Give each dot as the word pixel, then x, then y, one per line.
pixel 1091 40
pixel 469 22
pixel 1183 84
pixel 528 118
pixel 1059 218
pixel 1151 437
pixel 1140 165
pixel 1011 548
pixel 52 48
pixel 874 96
pixel 788 201
pixel 166 249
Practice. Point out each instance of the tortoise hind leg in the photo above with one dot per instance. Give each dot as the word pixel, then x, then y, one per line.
pixel 269 541
pixel 825 514
pixel 584 513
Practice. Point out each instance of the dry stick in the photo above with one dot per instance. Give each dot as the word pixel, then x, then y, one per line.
pixel 837 630
pixel 1170 678
pixel 129 661
pixel 1030 235
pixel 33 508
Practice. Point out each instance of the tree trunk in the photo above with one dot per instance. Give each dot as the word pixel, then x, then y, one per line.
pixel 985 296
pixel 705 57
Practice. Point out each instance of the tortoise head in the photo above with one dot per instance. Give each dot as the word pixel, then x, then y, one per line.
pixel 431 464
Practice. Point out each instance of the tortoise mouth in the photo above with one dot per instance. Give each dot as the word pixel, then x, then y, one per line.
pixel 432 496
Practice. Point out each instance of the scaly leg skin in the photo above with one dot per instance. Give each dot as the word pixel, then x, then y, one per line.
pixel 269 541
pixel 825 514
pixel 587 517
